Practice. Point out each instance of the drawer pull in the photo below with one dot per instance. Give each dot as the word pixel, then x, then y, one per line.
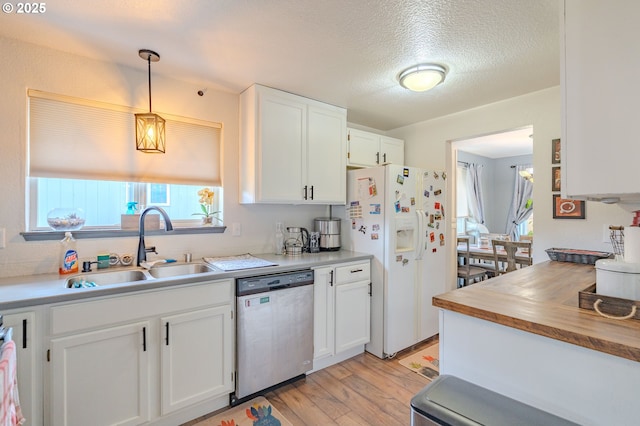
pixel 354 271
pixel 144 339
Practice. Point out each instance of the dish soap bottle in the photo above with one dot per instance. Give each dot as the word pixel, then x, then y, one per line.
pixel 68 255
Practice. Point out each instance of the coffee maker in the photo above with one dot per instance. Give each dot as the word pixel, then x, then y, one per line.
pixel 297 241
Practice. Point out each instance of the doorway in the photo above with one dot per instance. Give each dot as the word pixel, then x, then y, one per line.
pixel 484 170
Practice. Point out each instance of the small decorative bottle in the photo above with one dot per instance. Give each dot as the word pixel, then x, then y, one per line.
pixel 279 242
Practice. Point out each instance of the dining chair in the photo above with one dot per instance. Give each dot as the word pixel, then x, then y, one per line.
pixel 468 272
pixel 490 266
pixel 513 249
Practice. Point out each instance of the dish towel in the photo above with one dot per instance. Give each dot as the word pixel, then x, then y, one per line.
pixel 10 413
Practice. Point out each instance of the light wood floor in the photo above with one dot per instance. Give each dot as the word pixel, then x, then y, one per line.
pixel 363 390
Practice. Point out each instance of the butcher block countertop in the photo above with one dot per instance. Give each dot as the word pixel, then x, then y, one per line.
pixel 543 299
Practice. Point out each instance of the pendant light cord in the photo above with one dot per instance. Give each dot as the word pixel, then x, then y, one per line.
pixel 149 63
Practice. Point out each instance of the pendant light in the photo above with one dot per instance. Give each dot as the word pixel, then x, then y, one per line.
pixel 423 77
pixel 150 135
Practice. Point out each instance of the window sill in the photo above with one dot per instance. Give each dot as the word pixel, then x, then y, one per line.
pixel 117 233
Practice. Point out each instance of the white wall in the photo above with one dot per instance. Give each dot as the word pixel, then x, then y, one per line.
pixel 27 66
pixel 427 145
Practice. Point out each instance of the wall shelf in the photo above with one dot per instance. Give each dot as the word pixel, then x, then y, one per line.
pixel 118 233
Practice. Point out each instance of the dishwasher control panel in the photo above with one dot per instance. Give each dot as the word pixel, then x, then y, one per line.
pixel 264 283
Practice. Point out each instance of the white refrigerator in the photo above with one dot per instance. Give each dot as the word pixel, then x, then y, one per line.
pixel 396 213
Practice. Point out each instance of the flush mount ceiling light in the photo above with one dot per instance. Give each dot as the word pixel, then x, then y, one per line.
pixel 423 77
pixel 149 126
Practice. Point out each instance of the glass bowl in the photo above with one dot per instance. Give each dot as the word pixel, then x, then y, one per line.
pixel 66 219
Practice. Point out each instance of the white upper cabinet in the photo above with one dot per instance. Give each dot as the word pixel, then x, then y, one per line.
pixel 599 69
pixel 368 149
pixel 292 149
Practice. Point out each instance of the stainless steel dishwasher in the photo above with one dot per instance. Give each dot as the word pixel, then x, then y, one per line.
pixel 274 330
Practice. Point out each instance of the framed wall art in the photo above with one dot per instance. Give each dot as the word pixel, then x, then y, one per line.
pixel 564 208
pixel 555 179
pixel 555 151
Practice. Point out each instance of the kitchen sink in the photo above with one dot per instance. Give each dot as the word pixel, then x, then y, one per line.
pixel 167 271
pixel 105 278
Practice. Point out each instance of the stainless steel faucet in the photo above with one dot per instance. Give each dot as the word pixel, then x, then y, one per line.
pixel 168 226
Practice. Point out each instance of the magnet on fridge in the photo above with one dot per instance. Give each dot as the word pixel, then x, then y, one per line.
pixel 400 180
pixel 399 258
pixel 434 250
pixel 413 201
pixel 444 175
pixel 375 227
pixel 435 175
pixel 397 206
pixel 353 224
pixel 432 236
pixel 405 172
pixel 431 187
pixel 405 261
pixel 426 193
pixel 437 225
pixel 437 205
pixel 362 229
pixel 437 192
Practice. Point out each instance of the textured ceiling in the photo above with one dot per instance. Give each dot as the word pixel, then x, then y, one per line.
pixel 346 53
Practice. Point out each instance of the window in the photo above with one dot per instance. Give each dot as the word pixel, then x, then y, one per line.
pixel 102 202
pixel 526 227
pixel 82 155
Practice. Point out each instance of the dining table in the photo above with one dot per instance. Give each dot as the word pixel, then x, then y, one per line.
pixel 486 253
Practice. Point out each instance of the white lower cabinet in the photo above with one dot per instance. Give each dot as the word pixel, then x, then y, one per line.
pixel 196 357
pixel 342 312
pixel 27 342
pixel 101 377
pixel 144 357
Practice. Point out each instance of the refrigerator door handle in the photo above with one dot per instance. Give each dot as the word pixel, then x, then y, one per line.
pixel 419 237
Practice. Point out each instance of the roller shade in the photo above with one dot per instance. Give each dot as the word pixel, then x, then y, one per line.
pixel 79 139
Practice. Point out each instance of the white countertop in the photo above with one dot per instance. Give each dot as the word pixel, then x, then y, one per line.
pixel 32 290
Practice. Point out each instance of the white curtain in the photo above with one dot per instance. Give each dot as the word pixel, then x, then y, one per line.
pixel 522 202
pixel 474 192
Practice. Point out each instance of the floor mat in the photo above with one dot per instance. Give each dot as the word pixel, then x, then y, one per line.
pixel 425 362
pixel 258 411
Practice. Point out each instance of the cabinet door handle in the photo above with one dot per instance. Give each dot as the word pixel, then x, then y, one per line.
pixel 354 271
pixel 377 158
pixel 144 339
pixel 24 333
pixel 166 337
pixel 370 288
pixel 384 157
pixel 305 192
pixel 312 192
pixel 331 278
